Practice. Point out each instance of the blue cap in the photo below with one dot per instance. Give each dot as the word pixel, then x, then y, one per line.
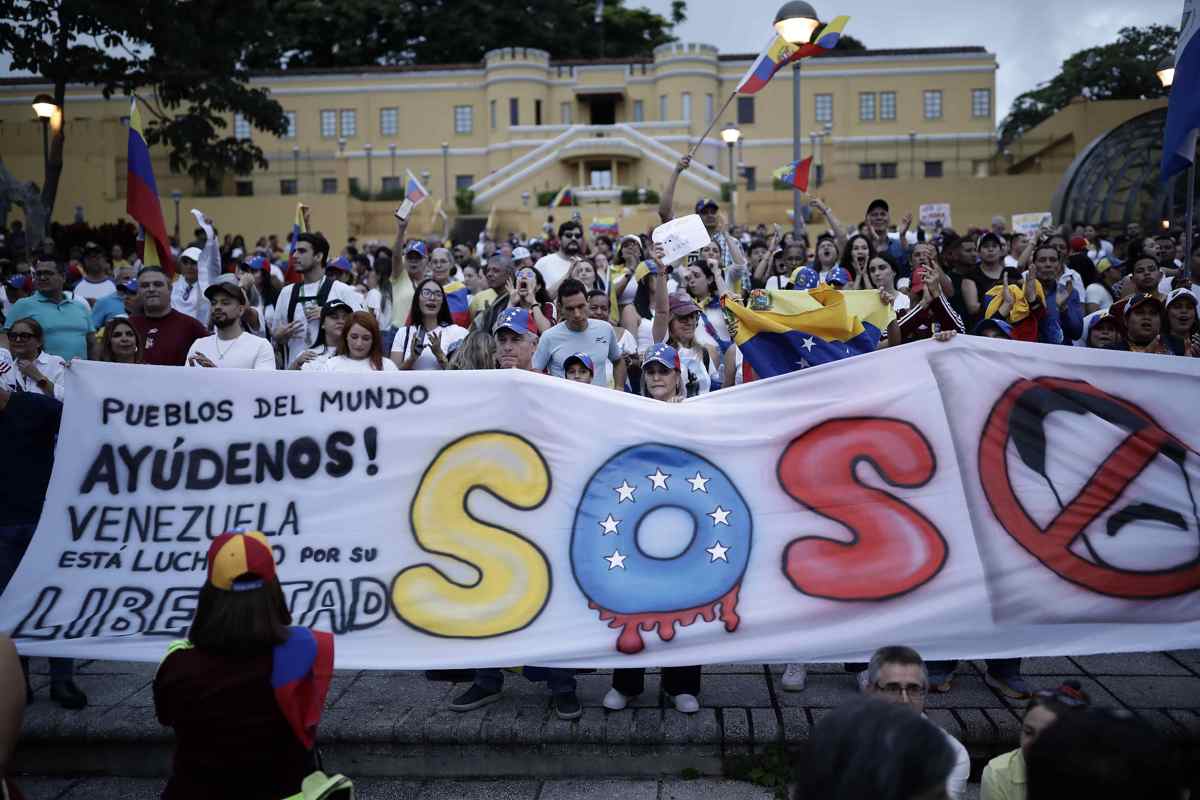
pixel 20 282
pixel 582 358
pixel 662 354
pixel 805 278
pixel 258 262
pixel 514 319
pixel 838 276
pixel 705 202
pixel 342 263
pixel 994 322
pixel 416 246
pixel 129 286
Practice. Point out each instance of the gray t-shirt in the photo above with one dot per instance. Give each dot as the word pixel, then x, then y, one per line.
pixel 560 343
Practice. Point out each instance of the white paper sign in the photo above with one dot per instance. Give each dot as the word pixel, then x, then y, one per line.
pixel 1031 500
pixel 681 236
pixel 1029 224
pixel 935 215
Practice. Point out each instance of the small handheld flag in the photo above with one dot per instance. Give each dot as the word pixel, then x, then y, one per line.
pixel 1183 109
pixel 414 194
pixel 796 173
pixel 141 195
pixel 563 198
pixel 299 226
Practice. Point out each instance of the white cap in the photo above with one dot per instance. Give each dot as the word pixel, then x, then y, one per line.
pixel 521 252
pixel 193 253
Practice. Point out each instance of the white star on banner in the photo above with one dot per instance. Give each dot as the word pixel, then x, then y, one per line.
pixel 717 551
pixel 699 483
pixel 609 525
pixel 658 479
pixel 616 560
pixel 720 516
pixel 625 492
pixel 809 344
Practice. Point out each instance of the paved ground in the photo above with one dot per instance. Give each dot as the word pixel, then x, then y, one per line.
pixel 396 725
pixel 700 789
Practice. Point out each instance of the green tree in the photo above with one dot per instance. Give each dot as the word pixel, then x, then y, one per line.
pixel 187 60
pixel 850 44
pixel 1119 70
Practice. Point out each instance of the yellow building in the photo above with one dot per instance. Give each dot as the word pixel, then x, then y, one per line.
pixel 914 126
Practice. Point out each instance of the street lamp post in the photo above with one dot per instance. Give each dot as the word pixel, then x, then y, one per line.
pixel 445 172
pixel 730 134
pixel 795 22
pixel 44 106
pixel 176 196
pixel 1166 75
pixel 370 176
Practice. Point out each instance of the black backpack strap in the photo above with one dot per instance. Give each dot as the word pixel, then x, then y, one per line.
pixel 323 292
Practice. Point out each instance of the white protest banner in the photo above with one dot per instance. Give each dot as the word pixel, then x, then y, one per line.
pixel 680 236
pixel 1029 224
pixel 977 498
pixel 935 215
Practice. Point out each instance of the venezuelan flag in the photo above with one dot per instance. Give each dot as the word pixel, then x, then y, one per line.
pixel 414 192
pixel 299 226
pixel 563 198
pixel 141 195
pixel 458 298
pixel 301 672
pixel 605 226
pixel 780 51
pixel 796 173
pixel 804 329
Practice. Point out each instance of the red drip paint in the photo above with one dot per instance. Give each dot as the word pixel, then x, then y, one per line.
pixel 630 640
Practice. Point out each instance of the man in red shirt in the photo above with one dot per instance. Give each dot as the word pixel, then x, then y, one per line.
pixel 168 334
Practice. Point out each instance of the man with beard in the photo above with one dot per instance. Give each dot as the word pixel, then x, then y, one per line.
pixel 230 346
pixel 167 333
pixel 298 307
pixel 554 266
pixel 1143 322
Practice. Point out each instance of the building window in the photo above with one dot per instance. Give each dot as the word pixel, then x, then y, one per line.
pixel 933 104
pixel 492 113
pixel 328 185
pixel 463 182
pixel 823 107
pixel 564 113
pixel 349 123
pixel 981 102
pixel 866 106
pixel 663 108
pixel 867 172
pixel 291 125
pixel 979 167
pixel 709 108
pixel 328 124
pixel 463 122
pixel 887 169
pixel 751 176
pixel 687 106
pixel 887 105
pixel 244 188
pixel 745 111
pixel 514 111
pixel 389 121
pixel 933 169
pixel 287 186
pixel 391 183
pixel 639 111
pixel 241 127
pixel 537 112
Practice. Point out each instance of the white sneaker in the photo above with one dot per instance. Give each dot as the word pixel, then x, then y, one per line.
pixel 686 703
pixel 795 678
pixel 615 701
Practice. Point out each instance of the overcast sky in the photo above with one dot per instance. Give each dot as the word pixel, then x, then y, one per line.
pixel 1030 38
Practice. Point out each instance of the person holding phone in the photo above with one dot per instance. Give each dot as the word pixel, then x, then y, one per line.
pixel 426 343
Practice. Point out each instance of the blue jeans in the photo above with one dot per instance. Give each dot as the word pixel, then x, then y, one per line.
pixel 560 681
pixel 14 541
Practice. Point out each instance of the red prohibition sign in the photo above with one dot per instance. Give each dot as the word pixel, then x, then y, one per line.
pixel 1050 545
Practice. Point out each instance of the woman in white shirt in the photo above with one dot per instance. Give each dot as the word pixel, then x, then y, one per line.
pixel 334 316
pixel 361 349
pixel 377 280
pixel 29 368
pixel 427 342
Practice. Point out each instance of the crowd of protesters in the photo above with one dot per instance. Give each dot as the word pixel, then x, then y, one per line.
pixel 595 309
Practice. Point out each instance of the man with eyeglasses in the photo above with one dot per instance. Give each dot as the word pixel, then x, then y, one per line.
pixel 554 266
pixel 897 674
pixel 66 322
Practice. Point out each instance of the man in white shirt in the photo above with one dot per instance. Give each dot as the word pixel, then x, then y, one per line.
pixel 298 307
pixel 96 282
pixel 897 674
pixel 188 291
pixel 230 346
pixel 577 333
pixel 554 266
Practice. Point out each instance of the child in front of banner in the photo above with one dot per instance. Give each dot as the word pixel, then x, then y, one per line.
pixel 245 691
